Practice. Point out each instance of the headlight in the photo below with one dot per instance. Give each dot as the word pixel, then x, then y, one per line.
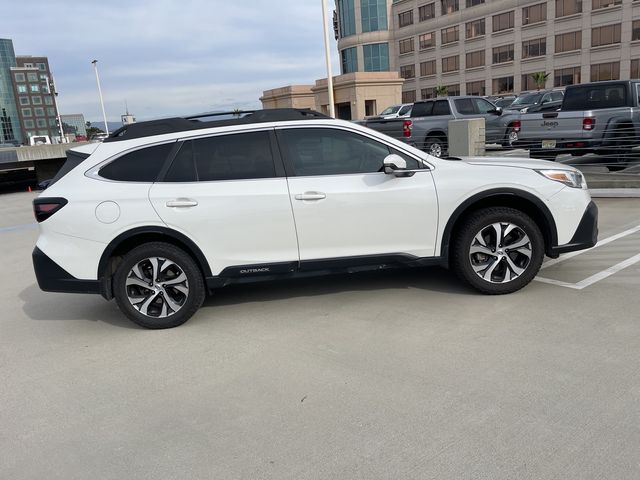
pixel 571 178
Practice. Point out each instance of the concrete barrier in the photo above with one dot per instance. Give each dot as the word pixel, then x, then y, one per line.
pixel 467 137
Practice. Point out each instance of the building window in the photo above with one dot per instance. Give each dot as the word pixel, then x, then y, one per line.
pixel 349 60
pixel 427 40
pixel 409 96
pixel 475 59
pixel 32 77
pixel 48 101
pixel 527 82
pixel 503 21
pixel 427 12
pixel 474 29
pixel 567 42
pixel 408 71
pixel 473 3
pixel 347 17
pixel 29 124
pixel 604 3
pixel 605 71
pixel 53 124
pixel 568 7
pixel 41 123
pixel 453 90
pixel 39 112
pixel 605 35
pixel 24 100
pixel 37 100
pixel 566 76
pixel 449 35
pixel 43 77
pixel 503 54
pixel 451 64
pixel 428 68
pixel 635 68
pixel 34 88
pixel 502 85
pixel 450 6
pixel 26 112
pixel 477 88
pixel 405 18
pixel 376 57
pixel 22 88
pixel 427 93
pixel 635 30
pixel 534 48
pixel 41 66
pixel 28 65
pixel 19 77
pixel 374 15
pixel 406 45
pixel 534 13
pixel 51 112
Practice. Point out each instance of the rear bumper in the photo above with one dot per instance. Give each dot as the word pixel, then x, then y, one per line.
pixel 53 278
pixel 562 146
pixel 586 235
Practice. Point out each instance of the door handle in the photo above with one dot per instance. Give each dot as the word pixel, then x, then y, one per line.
pixel 310 196
pixel 182 203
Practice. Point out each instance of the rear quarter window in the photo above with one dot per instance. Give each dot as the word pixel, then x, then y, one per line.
pixel 141 165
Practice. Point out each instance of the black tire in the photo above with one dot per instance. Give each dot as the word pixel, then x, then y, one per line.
pixel 434 144
pixel 542 155
pixel 142 256
pixel 462 260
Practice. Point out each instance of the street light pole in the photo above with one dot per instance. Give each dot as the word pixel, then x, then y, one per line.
pixel 332 110
pixel 104 115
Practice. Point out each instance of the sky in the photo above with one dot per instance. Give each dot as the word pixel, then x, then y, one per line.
pixel 170 57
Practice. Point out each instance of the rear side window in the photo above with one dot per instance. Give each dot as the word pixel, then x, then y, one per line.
pixel 594 97
pixel 224 157
pixel 441 107
pixel 142 165
pixel 422 109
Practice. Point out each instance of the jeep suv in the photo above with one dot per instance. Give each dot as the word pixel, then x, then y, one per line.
pixel 162 212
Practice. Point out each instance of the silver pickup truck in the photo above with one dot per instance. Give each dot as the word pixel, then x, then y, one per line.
pixel 602 118
pixel 428 126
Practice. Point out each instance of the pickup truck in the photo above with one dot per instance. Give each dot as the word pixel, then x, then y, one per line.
pixel 427 128
pixel 601 117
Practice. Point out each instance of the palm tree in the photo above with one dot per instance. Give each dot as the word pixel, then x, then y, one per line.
pixel 540 79
pixel 441 91
pixel 237 112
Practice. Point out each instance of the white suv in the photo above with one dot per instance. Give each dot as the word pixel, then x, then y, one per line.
pixel 164 211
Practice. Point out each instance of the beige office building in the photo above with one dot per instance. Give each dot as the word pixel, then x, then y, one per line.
pixel 485 47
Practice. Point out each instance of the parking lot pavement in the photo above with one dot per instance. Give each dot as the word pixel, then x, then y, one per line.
pixel 403 375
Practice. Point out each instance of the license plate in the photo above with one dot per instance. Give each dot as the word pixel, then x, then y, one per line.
pixel 548 144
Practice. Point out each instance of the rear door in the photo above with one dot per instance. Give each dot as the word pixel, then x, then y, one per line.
pixel 229 196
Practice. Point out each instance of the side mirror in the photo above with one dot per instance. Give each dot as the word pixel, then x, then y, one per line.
pixel 498 111
pixel 396 165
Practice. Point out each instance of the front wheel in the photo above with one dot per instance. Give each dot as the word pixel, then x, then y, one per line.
pixel 498 250
pixel 158 285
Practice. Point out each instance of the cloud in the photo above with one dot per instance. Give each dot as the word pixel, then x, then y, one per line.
pixel 168 57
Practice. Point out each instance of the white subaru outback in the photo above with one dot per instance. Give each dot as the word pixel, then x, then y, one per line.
pixel 164 211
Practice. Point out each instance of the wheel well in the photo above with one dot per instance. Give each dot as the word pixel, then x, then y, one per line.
pixel 437 134
pixel 124 243
pixel 539 214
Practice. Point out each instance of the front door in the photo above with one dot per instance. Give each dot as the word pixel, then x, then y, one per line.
pixel 345 205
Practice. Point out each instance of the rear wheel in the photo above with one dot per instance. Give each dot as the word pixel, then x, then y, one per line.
pixel 435 146
pixel 158 285
pixel 498 250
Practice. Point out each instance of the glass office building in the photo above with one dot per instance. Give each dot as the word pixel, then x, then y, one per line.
pixel 9 122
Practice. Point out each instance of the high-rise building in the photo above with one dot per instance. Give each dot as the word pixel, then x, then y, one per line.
pixel 483 47
pixel 9 122
pixel 34 91
pixel 74 124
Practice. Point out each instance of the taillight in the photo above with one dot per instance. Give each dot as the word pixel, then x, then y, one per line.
pixel 515 125
pixel 588 123
pixel 407 126
pixel 43 208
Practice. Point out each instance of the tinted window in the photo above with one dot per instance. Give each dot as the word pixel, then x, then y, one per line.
pixel 224 157
pixel 595 97
pixel 422 109
pixel 556 96
pixel 464 106
pixel 138 166
pixel 441 107
pixel 482 106
pixel 404 110
pixel 323 151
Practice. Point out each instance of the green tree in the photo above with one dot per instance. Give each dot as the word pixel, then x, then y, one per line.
pixel 442 91
pixel 540 79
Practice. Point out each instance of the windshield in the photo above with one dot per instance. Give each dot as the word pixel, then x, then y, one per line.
pixel 528 99
pixel 390 110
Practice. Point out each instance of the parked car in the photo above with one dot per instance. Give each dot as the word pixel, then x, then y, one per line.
pixel 428 126
pixel 542 100
pixel 504 101
pixel 600 117
pixel 396 111
pixel 163 211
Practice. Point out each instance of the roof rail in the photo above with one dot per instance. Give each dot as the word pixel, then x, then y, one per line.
pixel 209 120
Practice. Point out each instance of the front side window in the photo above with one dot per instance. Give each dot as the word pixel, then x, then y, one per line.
pixel 482 106
pixel 241 156
pixel 464 106
pixel 325 151
pixel 138 166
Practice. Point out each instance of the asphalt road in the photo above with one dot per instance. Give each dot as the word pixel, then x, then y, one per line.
pixel 396 375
